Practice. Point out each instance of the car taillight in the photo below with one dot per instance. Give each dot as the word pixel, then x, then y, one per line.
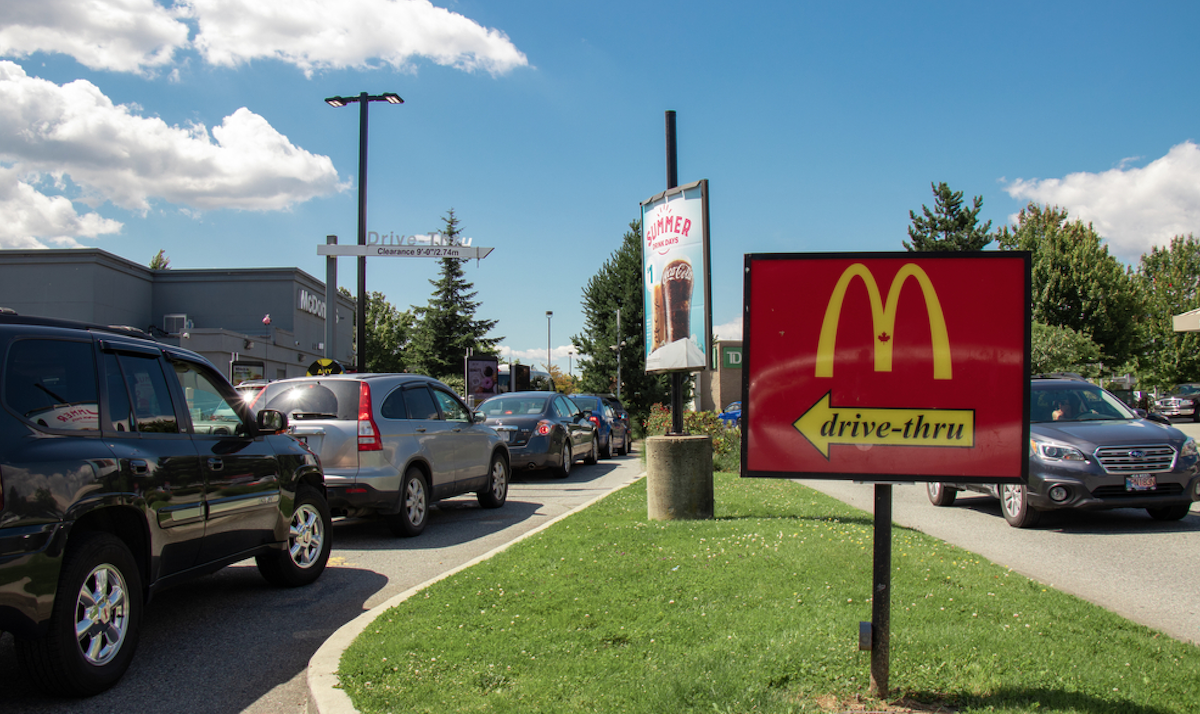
pixel 544 428
pixel 368 433
pixel 595 421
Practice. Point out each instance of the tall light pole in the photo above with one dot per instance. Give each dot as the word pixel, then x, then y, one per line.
pixel 363 100
pixel 549 314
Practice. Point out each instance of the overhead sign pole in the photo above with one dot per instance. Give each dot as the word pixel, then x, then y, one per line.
pixel 901 367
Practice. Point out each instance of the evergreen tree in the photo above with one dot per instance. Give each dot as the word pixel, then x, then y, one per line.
pixel 1076 282
pixel 160 261
pixel 447 327
pixel 948 227
pixel 618 284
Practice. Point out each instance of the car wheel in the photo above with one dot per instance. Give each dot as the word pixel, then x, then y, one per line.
pixel 496 492
pixel 607 451
pixel 308 544
pixel 1015 505
pixel 564 470
pixel 1170 513
pixel 624 446
pixel 414 505
pixel 940 494
pixel 591 458
pixel 94 626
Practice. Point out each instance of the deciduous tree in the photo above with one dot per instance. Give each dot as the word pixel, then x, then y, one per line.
pixel 1170 282
pixel 1076 282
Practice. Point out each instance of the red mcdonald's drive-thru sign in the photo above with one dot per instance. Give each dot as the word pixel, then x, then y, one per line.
pixel 886 366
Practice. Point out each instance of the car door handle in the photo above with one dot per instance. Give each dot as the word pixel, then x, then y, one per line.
pixel 139 467
pixel 457 430
pixel 421 429
pixel 215 464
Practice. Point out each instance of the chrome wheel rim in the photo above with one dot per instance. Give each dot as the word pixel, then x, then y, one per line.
pixel 935 489
pixel 1013 498
pixel 566 458
pixel 414 501
pixel 102 614
pixel 499 479
pixel 306 536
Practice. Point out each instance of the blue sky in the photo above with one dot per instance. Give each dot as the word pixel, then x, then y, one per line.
pixel 199 128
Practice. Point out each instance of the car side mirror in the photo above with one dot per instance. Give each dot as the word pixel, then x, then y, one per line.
pixel 1152 416
pixel 271 421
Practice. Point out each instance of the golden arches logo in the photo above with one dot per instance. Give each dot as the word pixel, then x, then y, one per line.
pixel 883 319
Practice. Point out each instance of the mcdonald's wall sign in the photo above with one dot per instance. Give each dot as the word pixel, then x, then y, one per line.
pixel 886 366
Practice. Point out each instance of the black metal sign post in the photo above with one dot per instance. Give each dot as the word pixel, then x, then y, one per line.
pixel 881 596
pixel 672 182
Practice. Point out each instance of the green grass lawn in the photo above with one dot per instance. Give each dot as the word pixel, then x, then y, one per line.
pixel 756 610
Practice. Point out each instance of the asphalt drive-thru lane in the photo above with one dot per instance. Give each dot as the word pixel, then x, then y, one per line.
pixel 1142 569
pixel 229 642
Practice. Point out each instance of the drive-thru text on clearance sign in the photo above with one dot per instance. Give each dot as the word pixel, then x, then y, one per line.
pixel 881 366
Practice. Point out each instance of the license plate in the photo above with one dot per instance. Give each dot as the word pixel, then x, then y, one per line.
pixel 1141 482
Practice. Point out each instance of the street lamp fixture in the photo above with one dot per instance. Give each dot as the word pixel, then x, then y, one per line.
pixel 363 100
pixel 549 314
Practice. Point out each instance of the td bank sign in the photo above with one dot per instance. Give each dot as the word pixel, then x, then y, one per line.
pixel 887 366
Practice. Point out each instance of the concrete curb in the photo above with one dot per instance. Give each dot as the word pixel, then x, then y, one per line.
pixel 325 695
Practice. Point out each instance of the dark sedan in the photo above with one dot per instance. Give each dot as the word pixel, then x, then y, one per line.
pixel 1088 450
pixel 544 430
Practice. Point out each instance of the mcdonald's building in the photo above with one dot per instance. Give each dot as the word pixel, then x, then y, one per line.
pixel 252 323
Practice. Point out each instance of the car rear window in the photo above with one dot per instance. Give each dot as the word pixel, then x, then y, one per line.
pixel 313 399
pixel 52 383
pixel 512 406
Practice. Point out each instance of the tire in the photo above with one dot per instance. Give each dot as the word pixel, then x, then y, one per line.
pixel 496 492
pixel 1015 505
pixel 414 505
pixel 100 594
pixel 308 544
pixel 1170 513
pixel 564 470
pixel 940 494
pixel 607 451
pixel 593 453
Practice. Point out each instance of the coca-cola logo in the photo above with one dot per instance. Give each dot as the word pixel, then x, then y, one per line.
pixel 677 271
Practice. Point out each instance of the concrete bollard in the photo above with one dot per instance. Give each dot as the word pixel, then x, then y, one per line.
pixel 679 477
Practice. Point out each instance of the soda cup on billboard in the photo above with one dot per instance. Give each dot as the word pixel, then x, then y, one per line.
pixel 677 281
pixel 658 318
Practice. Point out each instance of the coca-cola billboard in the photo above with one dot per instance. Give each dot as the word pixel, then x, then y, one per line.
pixel 677 296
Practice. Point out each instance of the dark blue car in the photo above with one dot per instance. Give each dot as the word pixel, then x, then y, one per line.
pixel 614 435
pixel 732 416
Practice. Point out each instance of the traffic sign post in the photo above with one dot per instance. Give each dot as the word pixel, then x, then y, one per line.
pixel 886 368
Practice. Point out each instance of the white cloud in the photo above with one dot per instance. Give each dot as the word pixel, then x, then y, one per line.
pixel 317 34
pixel 113 154
pixel 729 330
pixel 141 35
pixel 30 214
pixel 1134 209
pixel 118 35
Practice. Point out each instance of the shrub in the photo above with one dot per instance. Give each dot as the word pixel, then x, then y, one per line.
pixel 727 442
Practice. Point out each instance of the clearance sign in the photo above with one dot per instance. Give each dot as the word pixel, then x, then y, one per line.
pixel 886 366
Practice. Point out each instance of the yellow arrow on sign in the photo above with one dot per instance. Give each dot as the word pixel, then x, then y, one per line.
pixel 824 424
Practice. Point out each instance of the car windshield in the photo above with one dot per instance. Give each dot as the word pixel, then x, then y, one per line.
pixel 512 406
pixel 1082 402
pixel 1186 389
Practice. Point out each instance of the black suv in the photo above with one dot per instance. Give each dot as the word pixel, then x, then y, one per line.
pixel 127 466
